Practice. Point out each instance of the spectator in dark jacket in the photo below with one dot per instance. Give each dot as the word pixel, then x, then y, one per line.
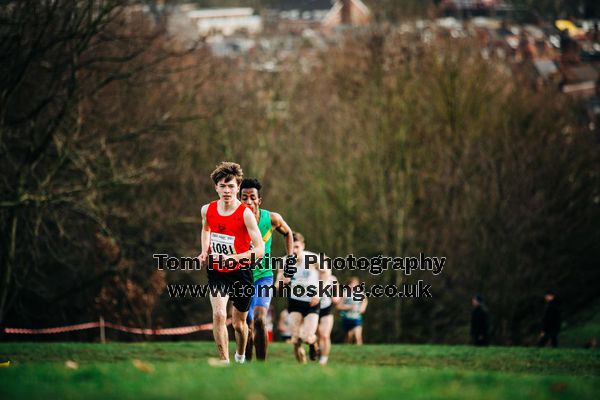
pixel 550 321
pixel 479 322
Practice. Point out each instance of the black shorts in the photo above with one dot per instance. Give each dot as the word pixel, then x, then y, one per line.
pixel 325 311
pixel 241 278
pixel 303 307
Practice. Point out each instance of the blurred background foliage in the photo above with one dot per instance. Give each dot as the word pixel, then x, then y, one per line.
pixel 109 131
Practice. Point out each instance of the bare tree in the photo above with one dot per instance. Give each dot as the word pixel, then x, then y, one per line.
pixel 64 65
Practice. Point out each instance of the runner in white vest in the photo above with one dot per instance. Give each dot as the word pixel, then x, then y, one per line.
pixel 303 303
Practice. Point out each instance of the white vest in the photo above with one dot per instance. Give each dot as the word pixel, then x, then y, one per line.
pixel 326 300
pixel 304 277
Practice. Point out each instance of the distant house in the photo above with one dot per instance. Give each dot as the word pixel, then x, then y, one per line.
pixel 320 14
pixel 225 21
pixel 474 7
pixel 188 22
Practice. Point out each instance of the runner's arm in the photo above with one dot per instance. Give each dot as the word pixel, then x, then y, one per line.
pixel 205 237
pixel 258 250
pixel 334 283
pixel 343 307
pixel 281 277
pixel 277 222
pixel 363 306
pixel 324 272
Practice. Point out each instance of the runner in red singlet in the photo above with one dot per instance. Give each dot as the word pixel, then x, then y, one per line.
pixel 228 229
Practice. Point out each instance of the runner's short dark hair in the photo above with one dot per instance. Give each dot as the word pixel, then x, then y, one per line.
pixel 251 183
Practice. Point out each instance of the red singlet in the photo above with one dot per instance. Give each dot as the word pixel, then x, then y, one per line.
pixel 228 235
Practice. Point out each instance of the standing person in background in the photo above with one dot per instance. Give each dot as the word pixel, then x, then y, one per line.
pixel 479 322
pixel 550 321
pixel 351 313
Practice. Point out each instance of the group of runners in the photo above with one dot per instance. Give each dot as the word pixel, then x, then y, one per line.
pixel 235 228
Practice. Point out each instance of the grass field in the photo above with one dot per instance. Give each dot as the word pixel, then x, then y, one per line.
pixel 584 328
pixel 181 370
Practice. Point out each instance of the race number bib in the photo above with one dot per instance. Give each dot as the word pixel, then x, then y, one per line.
pixel 222 244
pixel 302 277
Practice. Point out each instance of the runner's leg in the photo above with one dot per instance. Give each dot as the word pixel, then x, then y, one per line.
pixel 260 332
pixel 350 337
pixel 250 321
pixel 309 328
pixel 296 324
pixel 219 312
pixel 262 301
pixel 241 329
pixel 250 341
pixel 358 335
pixel 324 331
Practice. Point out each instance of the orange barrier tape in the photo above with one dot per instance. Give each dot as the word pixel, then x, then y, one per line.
pixel 59 329
pixel 181 330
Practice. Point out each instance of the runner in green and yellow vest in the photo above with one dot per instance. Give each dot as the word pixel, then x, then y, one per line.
pixel 268 221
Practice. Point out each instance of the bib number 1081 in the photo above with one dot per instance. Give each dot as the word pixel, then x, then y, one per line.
pixel 221 248
pixel 222 244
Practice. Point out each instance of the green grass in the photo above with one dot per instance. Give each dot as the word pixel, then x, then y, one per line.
pixel 371 371
pixel 583 328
